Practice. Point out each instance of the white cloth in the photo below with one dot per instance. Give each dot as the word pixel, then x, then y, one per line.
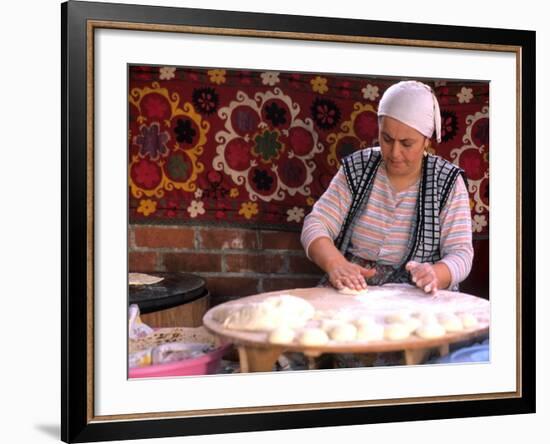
pixel 414 104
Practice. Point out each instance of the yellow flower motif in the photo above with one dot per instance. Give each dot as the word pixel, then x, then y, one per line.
pixel 234 192
pixel 472 204
pixel 319 85
pixel 217 76
pixel 310 201
pixel 147 207
pixel 248 209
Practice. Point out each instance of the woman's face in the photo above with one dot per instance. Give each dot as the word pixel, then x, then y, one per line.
pixel 402 147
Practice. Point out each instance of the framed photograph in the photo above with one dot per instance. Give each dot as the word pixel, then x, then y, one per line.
pixel 197 141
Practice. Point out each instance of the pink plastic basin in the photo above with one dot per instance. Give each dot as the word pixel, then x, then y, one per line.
pixel 206 364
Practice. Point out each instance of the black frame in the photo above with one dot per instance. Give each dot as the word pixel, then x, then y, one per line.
pixel 76 425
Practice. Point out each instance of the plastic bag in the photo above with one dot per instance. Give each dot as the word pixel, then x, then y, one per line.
pixel 136 328
pixel 178 351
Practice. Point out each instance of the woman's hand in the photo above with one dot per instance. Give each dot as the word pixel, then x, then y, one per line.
pixel 424 276
pixel 343 273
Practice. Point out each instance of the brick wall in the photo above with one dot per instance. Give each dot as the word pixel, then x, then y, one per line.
pixel 234 262
pixel 241 262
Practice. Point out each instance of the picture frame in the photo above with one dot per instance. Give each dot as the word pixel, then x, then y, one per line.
pixel 81 181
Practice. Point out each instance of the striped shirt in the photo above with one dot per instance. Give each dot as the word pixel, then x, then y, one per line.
pixel 383 231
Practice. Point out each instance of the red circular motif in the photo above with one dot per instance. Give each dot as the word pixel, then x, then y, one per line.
pixel 146 174
pixel 366 126
pixel 292 172
pixel 471 161
pixel 155 107
pixel 480 132
pixel 244 120
pixel 237 154
pixel 300 140
pixel 214 177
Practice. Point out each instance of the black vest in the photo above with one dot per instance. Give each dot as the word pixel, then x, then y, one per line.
pixel 438 179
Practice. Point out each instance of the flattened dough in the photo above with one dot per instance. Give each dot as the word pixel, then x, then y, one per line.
pixel 143 279
pixel 351 291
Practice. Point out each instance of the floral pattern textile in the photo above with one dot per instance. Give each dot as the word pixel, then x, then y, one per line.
pixel 257 148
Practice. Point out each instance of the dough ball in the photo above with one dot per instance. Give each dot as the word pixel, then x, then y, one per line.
pixel 397 317
pixel 343 332
pixel 430 330
pixel 450 322
pixel 364 321
pixel 426 317
pixel 282 335
pixel 351 291
pixel 329 324
pixel 370 332
pixel 412 323
pixel 313 337
pixel 468 320
pixel 396 331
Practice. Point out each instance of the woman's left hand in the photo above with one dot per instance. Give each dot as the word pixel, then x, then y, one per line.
pixel 424 276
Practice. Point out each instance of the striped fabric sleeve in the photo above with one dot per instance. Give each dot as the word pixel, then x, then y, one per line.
pixel 328 213
pixel 456 234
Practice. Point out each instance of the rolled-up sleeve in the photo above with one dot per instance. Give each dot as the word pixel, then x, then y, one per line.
pixel 328 213
pixel 456 234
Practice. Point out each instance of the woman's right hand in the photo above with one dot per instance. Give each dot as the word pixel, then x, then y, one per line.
pixel 343 273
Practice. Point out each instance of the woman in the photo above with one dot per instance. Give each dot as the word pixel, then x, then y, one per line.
pixel 395 213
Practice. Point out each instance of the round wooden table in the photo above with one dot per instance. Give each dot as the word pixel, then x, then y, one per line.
pixel 178 300
pixel 257 354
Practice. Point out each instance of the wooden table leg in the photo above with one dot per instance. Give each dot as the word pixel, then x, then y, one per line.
pixel 255 359
pixel 415 356
pixel 444 350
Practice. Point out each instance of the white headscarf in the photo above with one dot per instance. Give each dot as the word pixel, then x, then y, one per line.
pixel 414 104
